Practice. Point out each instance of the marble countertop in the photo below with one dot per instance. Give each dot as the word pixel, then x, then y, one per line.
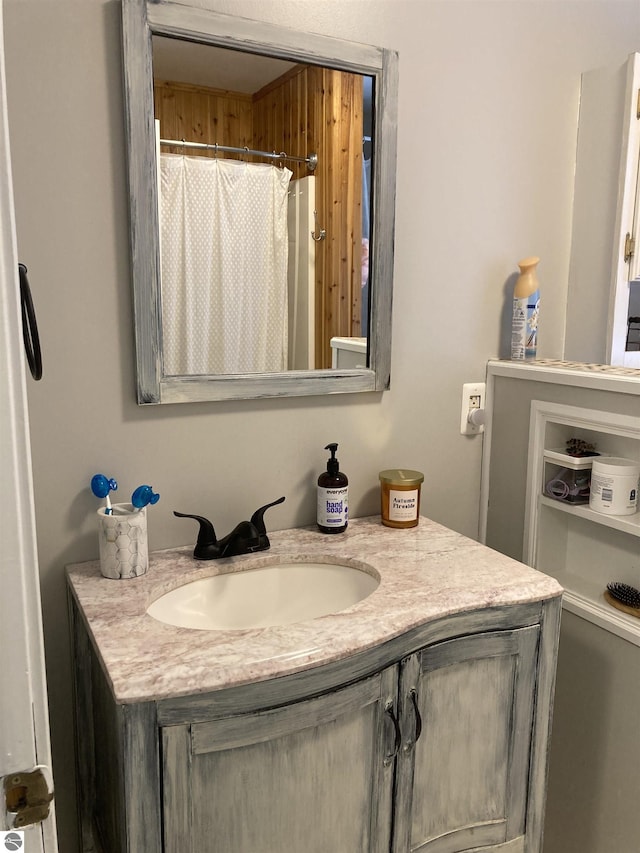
pixel 426 572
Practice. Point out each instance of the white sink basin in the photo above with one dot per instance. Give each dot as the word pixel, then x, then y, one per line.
pixel 264 597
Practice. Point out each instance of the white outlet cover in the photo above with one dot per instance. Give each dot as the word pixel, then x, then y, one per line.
pixel 469 391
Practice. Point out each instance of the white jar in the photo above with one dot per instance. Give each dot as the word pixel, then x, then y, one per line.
pixel 614 485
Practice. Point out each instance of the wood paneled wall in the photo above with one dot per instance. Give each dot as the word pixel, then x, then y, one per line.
pixel 198 114
pixel 308 110
pixel 338 110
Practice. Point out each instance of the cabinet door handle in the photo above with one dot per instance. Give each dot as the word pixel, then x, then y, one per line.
pixel 416 711
pixel 388 709
pixel 411 742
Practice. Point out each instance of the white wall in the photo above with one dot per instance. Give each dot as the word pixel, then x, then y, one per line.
pixel 487 126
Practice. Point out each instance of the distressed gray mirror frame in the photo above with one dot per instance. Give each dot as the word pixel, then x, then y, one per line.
pixel 143 19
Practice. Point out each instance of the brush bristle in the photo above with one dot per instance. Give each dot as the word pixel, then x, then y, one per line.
pixel 628 595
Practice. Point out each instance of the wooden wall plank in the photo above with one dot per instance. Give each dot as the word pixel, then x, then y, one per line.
pixel 200 114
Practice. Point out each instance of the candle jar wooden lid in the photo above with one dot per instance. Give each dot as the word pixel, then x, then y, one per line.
pixel 400 497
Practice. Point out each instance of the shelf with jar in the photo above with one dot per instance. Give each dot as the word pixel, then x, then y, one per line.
pixel 583 547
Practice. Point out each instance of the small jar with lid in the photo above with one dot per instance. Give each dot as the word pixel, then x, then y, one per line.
pixel 400 497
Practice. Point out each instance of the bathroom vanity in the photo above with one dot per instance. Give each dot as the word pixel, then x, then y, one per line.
pixel 416 719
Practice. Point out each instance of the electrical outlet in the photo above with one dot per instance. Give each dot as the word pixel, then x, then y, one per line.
pixel 473 394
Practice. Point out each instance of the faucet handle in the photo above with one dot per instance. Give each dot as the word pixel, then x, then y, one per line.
pixel 257 519
pixel 207 547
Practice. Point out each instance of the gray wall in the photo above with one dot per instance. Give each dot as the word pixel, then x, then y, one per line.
pixel 487 129
pixel 594 775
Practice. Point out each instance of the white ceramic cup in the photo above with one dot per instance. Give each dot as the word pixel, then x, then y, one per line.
pixel 124 548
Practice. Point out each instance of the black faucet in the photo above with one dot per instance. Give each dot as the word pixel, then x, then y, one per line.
pixel 245 538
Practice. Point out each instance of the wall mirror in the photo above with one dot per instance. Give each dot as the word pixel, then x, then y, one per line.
pixel 283 285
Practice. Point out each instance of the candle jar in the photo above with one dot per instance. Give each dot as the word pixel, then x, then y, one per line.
pixel 400 497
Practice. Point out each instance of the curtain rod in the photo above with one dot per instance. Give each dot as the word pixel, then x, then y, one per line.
pixel 311 160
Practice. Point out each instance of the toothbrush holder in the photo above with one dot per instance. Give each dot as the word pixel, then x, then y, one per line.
pixel 124 548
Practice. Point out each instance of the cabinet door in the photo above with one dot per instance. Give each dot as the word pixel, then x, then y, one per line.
pixel 466 716
pixel 315 775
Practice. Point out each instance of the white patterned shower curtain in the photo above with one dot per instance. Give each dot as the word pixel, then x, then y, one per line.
pixel 224 249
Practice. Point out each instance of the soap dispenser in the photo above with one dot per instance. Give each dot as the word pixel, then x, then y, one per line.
pixel 333 496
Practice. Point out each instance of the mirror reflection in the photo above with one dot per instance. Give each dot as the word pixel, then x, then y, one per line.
pixel 632 342
pixel 264 172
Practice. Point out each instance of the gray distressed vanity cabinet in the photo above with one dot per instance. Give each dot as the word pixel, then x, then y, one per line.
pixel 434 741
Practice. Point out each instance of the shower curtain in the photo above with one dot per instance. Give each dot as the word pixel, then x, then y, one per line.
pixel 224 253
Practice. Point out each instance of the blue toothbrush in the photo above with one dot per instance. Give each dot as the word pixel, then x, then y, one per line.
pixel 101 486
pixel 143 496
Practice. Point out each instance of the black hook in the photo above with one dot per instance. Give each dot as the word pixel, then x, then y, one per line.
pixel 29 326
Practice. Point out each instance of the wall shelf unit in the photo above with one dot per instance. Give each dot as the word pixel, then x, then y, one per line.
pixel 624 523
pixel 583 549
